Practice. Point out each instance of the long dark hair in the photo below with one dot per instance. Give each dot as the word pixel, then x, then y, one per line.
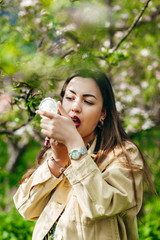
pixel 112 133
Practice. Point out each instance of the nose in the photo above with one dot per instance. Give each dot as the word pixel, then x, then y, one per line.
pixel 76 107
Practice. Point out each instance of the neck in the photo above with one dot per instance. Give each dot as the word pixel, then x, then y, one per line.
pixel 88 139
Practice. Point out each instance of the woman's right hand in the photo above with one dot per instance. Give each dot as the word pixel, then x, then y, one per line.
pixel 61 128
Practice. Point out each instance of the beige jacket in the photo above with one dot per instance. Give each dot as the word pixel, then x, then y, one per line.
pixel 98 203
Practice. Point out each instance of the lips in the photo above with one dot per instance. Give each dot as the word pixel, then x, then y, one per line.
pixel 76 121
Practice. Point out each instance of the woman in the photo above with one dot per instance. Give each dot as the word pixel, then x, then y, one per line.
pixel 88 185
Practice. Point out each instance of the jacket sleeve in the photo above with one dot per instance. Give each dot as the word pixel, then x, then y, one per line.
pixel 110 192
pixel 33 194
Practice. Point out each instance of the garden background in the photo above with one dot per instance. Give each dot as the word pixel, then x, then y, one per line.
pixel 41 43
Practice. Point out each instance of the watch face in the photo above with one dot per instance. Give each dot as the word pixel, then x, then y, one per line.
pixel 75 154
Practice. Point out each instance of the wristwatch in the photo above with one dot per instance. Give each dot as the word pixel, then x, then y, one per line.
pixel 77 153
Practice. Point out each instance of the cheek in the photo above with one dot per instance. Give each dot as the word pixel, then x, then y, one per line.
pixel 93 117
pixel 65 105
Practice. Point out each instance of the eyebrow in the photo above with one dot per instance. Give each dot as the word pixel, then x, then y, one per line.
pixel 84 95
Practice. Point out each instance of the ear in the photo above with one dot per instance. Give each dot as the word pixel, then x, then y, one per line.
pixel 103 114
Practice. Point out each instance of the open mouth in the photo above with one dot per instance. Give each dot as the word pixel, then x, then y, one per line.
pixel 76 121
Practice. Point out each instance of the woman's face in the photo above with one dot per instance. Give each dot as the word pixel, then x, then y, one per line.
pixel 83 102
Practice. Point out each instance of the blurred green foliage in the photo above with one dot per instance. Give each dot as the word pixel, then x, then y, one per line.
pixel 148 222
pixel 14 227
pixel 149 226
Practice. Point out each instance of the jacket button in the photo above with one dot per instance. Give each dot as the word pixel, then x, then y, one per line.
pixel 100 209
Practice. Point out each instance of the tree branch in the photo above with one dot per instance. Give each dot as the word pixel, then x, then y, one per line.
pixel 143 22
pixel 68 52
pixel 137 18
pixel 11 131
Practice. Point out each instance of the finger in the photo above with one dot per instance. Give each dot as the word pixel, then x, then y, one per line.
pixel 45 133
pixel 44 126
pixel 46 114
pixel 46 120
pixel 61 110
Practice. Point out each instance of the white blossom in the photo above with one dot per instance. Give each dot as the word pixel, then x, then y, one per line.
pixel 123 51
pixel 102 63
pixel 58 33
pixel 130 128
pixel 123 86
pixel 147 18
pixel 144 52
pixel 70 27
pixel 128 44
pixel 144 84
pixel 28 3
pixel 150 67
pixel 128 98
pixel 118 34
pixel 135 11
pixel 50 25
pixel 85 55
pixel 124 74
pixel 24 132
pixel 145 114
pixel 119 106
pixel 21 13
pixel 43 12
pixel 147 124
pixel 155 64
pixel 135 90
pixel 107 24
pixel 110 50
pixel 120 24
pixel 116 8
pixel 138 111
pixel 135 111
pixel 19 29
pixel 157 74
pixel 119 93
pixel 124 16
pixel 37 20
pixel 107 43
pixel 89 14
pixel 103 49
pixel 154 9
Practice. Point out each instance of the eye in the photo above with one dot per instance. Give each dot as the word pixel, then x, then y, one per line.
pixel 69 98
pixel 88 102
